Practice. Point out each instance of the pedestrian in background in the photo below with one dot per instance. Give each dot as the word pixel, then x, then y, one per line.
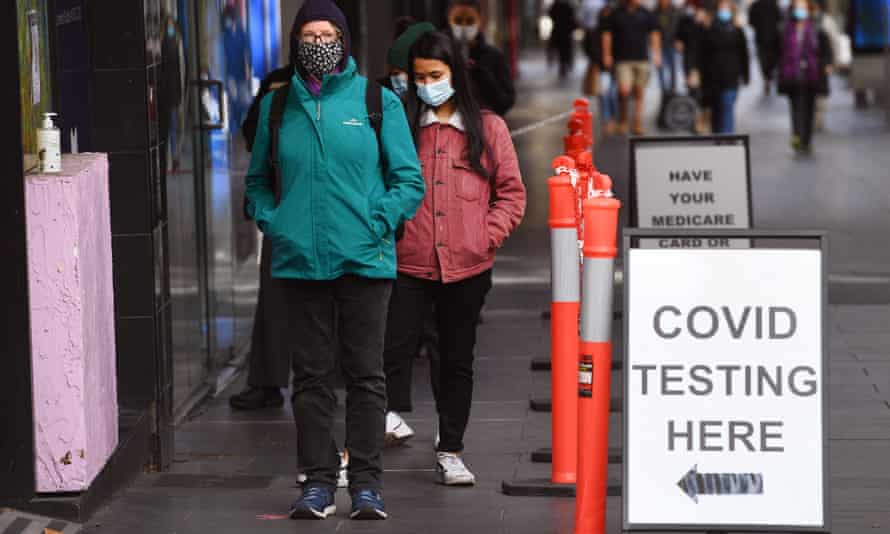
pixel 690 33
pixel 630 38
pixel 805 65
pixel 668 17
pixel 829 25
pixel 608 83
pixel 765 16
pixel 268 362
pixel 490 76
pixel 588 17
pixel 475 199
pixel 398 59
pixel 329 212
pixel 725 66
pixel 562 38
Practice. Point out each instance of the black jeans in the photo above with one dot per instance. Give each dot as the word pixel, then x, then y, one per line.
pixel 352 309
pixel 457 315
pixel 803 111
pixel 270 342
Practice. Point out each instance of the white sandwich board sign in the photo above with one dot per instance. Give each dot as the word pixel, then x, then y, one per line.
pixel 725 414
pixel 691 183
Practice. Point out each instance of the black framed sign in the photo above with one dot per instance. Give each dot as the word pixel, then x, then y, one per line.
pixel 691 183
pixel 725 400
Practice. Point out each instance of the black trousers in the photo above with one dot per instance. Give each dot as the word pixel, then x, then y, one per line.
pixel 457 306
pixel 346 316
pixel 768 57
pixel 803 112
pixel 270 343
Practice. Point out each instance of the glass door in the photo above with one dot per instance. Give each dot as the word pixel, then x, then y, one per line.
pixel 184 156
pixel 213 247
pixel 227 90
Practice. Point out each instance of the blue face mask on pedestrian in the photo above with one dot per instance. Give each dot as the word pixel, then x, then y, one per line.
pixel 399 83
pixel 724 15
pixel 436 93
pixel 801 13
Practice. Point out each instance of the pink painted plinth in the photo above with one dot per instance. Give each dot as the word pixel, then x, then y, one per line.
pixel 72 323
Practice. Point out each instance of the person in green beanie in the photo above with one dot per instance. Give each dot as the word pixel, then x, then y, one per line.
pixel 397 61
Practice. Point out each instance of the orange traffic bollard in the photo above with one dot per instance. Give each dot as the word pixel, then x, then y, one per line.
pixel 564 310
pixel 595 362
pixel 576 142
pixel 582 112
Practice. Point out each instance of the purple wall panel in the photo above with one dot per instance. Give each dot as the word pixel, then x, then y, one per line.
pixel 72 323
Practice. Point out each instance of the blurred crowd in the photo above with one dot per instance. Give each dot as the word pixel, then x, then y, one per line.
pixel 699 52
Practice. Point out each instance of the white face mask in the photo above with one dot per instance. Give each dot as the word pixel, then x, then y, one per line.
pixel 465 34
pixel 399 83
pixel 434 94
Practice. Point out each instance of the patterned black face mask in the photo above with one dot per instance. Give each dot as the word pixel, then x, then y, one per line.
pixel 320 58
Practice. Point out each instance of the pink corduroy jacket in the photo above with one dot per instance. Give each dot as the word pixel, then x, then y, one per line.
pixel 464 217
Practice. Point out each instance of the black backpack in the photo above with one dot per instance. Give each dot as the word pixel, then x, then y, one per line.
pixel 373 103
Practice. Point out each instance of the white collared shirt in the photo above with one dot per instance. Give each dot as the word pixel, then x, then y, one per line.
pixel 429 117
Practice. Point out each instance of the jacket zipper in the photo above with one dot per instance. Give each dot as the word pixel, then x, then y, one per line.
pixel 318 110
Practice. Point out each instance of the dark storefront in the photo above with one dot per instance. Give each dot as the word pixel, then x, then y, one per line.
pixel 161 86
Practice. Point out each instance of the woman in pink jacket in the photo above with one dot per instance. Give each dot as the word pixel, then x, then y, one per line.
pixel 475 198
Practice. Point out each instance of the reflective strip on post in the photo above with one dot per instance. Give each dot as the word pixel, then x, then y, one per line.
pixel 595 362
pixel 565 275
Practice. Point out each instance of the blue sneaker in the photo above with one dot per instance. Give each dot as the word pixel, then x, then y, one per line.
pixel 367 504
pixel 317 502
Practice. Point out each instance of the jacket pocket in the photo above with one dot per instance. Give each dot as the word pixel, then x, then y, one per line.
pixel 376 227
pixel 268 227
pixel 469 185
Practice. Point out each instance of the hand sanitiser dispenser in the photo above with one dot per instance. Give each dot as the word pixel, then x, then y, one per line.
pixel 49 145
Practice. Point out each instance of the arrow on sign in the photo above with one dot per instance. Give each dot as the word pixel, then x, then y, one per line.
pixel 694 484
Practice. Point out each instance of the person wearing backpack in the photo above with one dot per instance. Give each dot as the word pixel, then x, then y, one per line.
pixel 268 364
pixel 328 192
pixel 475 199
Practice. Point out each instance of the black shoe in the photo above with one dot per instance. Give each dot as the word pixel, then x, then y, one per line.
pixel 254 398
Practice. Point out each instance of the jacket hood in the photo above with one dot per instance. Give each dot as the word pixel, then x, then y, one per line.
pixel 314 10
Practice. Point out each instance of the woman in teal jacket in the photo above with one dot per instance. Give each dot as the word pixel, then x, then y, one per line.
pixel 333 247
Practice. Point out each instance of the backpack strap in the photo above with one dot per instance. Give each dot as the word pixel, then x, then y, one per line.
pixel 276 116
pixel 374 105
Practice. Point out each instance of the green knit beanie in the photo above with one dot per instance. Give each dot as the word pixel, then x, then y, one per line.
pixel 399 54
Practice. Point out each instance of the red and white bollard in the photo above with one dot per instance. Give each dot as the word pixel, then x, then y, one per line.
pixel 595 362
pixel 564 310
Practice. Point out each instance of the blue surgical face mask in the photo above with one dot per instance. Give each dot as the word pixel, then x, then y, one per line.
pixel 436 93
pixel 399 83
pixel 801 13
pixel 724 15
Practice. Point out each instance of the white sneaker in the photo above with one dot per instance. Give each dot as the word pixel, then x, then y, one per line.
pixel 343 477
pixel 452 471
pixel 397 430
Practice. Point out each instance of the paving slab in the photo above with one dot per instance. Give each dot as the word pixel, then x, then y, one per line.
pixel 234 471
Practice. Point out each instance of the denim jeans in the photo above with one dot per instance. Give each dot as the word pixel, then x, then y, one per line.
pixel 723 113
pixel 667 72
pixel 457 316
pixel 608 97
pixel 346 316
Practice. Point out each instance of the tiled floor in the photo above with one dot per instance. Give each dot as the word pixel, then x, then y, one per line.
pixel 235 472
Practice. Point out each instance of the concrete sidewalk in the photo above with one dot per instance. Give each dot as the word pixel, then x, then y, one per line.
pixel 235 472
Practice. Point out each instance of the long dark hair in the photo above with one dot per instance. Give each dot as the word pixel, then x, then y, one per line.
pixel 437 45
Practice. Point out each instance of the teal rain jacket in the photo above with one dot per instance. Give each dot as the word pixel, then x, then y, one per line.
pixel 338 212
